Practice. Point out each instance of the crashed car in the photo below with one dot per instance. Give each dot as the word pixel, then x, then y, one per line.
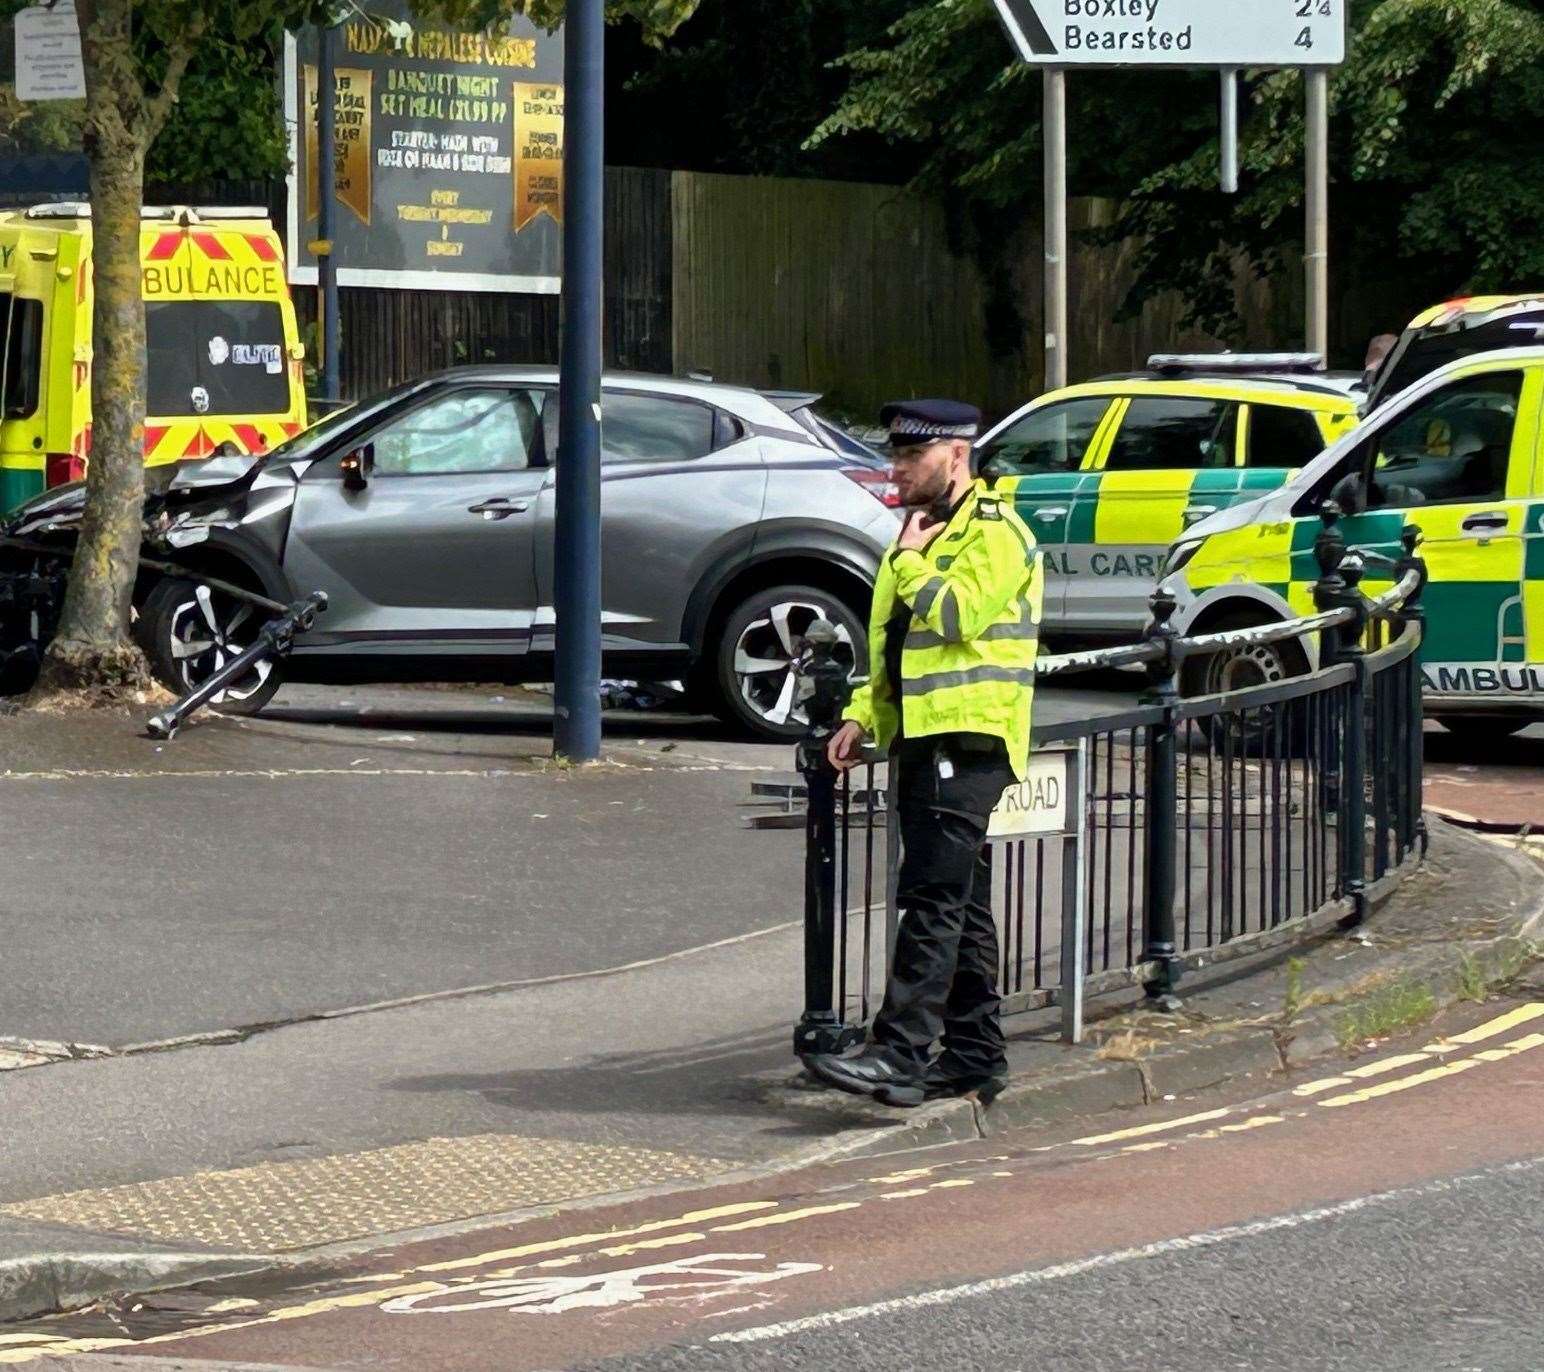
pixel 732 520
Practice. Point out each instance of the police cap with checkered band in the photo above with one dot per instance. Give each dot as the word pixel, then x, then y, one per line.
pixel 911 422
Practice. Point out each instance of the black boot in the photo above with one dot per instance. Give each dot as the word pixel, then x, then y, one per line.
pixel 943 1081
pixel 869 1074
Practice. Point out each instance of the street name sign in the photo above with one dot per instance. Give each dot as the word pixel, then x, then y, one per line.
pixel 1037 807
pixel 1177 33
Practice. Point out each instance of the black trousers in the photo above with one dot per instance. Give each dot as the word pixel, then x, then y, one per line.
pixel 944 977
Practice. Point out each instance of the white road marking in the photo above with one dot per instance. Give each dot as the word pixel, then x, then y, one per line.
pixel 1041 1275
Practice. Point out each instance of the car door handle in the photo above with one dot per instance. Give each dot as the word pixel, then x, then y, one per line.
pixel 1492 523
pixel 1051 514
pixel 501 507
pixel 1199 511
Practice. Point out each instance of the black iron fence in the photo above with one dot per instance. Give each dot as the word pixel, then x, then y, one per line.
pixel 1159 840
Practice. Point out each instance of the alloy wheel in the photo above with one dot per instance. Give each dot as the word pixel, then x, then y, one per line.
pixel 208 631
pixel 767 651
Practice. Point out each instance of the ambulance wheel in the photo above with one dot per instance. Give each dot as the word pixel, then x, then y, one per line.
pixel 756 651
pixel 1240 669
pixel 189 632
pixel 1483 729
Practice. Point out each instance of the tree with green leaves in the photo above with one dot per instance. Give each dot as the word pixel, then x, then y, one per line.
pixel 136 55
pixel 1437 160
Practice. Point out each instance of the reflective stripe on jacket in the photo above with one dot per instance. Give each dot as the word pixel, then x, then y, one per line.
pixel 968 662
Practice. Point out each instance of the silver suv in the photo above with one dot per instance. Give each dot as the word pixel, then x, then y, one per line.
pixel 731 520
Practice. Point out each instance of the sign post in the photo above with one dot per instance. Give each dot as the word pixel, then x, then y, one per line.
pixel 1221 34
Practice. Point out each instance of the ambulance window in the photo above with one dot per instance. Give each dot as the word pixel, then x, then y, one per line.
pixel 1279 437
pixel 217 357
pixel 23 323
pixel 1455 448
pixel 1053 439
pixel 1172 433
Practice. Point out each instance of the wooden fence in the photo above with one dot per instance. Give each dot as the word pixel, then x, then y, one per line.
pixel 848 289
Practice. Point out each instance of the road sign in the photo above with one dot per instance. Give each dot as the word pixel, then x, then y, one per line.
pixel 1177 33
pixel 1037 806
pixel 48 65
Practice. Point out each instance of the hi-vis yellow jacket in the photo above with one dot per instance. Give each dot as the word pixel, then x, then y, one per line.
pixel 968 663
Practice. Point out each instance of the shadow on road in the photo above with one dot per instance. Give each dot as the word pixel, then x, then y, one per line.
pixel 719 1081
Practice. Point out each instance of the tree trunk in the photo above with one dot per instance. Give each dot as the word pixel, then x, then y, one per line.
pixel 92 647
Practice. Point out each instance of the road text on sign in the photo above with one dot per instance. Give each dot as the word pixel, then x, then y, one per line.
pixel 1036 806
pixel 1177 33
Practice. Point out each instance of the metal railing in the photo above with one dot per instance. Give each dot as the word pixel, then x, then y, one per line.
pixel 1158 840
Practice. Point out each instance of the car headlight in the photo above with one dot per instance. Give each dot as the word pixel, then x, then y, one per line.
pixel 1180 556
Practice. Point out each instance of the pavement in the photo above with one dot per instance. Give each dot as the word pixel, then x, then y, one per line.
pixel 1380 1216
pixel 602 1056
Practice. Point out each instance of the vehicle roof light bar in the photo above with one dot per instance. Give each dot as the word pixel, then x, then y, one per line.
pixel 1237 362
pixel 187 214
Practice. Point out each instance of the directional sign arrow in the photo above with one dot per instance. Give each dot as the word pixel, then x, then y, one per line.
pixel 1025 29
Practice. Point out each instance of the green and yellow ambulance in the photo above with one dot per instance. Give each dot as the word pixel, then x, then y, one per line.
pixel 223 349
pixel 1459 453
pixel 1108 474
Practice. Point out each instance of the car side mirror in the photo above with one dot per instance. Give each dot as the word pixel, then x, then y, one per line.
pixel 357 466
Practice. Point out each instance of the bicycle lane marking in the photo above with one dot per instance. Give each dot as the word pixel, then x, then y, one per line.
pixel 433 1280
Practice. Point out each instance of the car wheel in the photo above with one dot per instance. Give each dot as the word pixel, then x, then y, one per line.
pixel 757 684
pixel 189 632
pixel 1483 729
pixel 1239 669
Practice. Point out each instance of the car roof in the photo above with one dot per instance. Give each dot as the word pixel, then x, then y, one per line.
pixel 547 374
pixel 767 411
pixel 1323 391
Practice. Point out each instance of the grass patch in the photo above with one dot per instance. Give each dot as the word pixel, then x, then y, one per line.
pixel 1479 978
pixel 1397 1006
pixel 1292 1002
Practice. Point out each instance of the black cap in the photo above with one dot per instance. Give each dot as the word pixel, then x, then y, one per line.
pixel 926 421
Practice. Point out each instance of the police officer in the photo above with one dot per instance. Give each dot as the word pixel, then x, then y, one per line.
pixel 953 643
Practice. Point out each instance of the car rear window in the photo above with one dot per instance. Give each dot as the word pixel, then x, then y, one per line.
pixel 1279 437
pixel 218 357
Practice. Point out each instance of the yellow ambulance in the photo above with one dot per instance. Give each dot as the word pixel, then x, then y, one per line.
pixel 1457 451
pixel 223 348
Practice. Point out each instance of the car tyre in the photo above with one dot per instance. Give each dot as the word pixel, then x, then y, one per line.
pixel 189 631
pixel 1483 729
pixel 1263 665
pixel 757 687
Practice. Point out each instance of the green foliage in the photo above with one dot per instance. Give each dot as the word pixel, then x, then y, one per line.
pixel 658 18
pixel 228 122
pixel 1400 1005
pixel 1437 159
pixel 738 87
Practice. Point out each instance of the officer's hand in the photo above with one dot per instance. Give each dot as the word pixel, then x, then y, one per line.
pixel 845 750
pixel 914 536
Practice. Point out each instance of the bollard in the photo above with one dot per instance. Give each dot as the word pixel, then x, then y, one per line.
pixel 824 693
pixel 1161 847
pixel 274 640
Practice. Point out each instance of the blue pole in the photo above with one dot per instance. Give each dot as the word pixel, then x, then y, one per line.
pixel 327 216
pixel 576 727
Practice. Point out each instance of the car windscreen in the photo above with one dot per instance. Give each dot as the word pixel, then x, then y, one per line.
pixel 216 357
pixel 21 355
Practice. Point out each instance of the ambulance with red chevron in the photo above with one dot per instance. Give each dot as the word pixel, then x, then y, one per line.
pixel 223 349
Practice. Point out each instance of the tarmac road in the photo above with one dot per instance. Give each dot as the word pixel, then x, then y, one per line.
pixel 359 846
pixel 1384 1219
